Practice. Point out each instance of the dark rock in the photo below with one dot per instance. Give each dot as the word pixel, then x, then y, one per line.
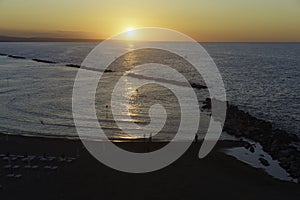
pixel 264 162
pixel 217 103
pixel 278 143
pixel 207 104
pixel 17 57
pixel 43 61
pixel 287 152
pixel 108 70
pixel 198 86
pixel 283 137
pixel 73 65
pixel 251 149
pixel 296 168
pixel 284 165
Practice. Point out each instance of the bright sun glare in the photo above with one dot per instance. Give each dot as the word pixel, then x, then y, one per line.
pixel 130 33
pixel 129 29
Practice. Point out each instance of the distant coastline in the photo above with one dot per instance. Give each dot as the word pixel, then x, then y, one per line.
pixel 44 39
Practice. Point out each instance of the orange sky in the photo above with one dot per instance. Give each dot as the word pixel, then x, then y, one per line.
pixel 204 20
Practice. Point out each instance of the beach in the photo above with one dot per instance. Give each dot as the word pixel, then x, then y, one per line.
pixel 216 176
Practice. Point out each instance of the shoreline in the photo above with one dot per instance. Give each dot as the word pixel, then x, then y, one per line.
pixel 84 177
pixel 229 146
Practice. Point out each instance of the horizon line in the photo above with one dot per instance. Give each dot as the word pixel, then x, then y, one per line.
pixel 5 38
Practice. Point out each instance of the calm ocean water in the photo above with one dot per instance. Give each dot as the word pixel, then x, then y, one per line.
pixel 36 98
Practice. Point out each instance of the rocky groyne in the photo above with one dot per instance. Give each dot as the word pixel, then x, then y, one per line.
pixel 282 146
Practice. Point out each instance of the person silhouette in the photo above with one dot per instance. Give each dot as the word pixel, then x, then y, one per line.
pixel 196 138
pixel 106 114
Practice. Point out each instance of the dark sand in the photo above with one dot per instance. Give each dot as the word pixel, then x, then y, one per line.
pixel 216 176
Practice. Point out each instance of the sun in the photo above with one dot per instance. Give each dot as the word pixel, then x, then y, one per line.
pixel 130 33
pixel 129 29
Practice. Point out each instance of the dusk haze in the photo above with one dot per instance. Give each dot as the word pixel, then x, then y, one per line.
pixel 205 20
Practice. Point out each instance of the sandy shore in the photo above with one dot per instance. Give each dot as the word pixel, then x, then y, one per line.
pixel 83 177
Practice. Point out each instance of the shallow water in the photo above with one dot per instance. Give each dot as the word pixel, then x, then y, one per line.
pixel 36 98
pixel 252 158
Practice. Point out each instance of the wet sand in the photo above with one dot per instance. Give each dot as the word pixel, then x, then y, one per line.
pixel 216 176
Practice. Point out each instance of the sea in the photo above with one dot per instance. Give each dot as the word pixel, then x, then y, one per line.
pixel 36 98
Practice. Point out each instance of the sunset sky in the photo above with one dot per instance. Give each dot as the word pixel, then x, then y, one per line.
pixel 204 20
